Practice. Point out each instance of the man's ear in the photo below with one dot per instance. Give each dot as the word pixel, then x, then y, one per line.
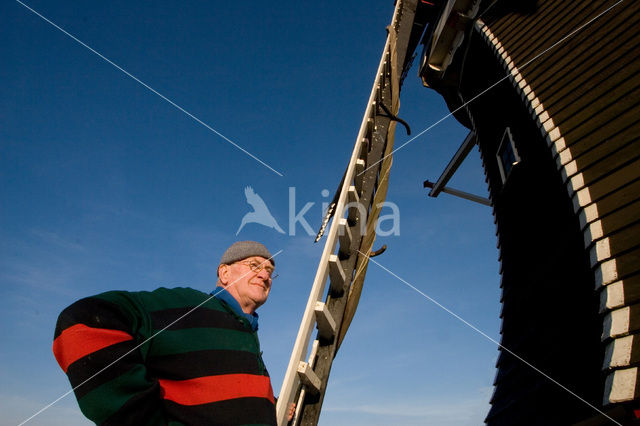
pixel 223 274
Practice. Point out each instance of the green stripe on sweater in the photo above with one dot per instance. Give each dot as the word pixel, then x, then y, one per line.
pixel 102 402
pixel 171 342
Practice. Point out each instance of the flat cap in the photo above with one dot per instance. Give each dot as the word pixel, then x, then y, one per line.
pixel 243 249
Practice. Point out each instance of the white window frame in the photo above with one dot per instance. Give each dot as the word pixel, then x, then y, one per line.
pixel 507 137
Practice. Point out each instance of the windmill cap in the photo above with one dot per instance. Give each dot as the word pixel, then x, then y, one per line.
pixel 243 249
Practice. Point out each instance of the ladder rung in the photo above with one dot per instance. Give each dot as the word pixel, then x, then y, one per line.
pixel 301 378
pixel 371 125
pixel 360 163
pixel 314 352
pixel 326 323
pixel 364 149
pixel 352 195
pixel 336 275
pixel 345 236
pixel 299 405
pixel 309 378
pixel 357 230
pixel 354 213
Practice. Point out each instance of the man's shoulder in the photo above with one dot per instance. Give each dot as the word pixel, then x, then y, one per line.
pixel 160 298
pixel 177 297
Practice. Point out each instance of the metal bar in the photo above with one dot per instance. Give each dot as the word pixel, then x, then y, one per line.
pixel 453 165
pixel 461 194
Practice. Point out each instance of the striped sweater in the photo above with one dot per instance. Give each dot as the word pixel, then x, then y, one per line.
pixel 206 368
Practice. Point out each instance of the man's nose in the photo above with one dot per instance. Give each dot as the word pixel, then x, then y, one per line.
pixel 263 274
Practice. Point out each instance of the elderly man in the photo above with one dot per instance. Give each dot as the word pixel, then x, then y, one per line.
pixel 173 356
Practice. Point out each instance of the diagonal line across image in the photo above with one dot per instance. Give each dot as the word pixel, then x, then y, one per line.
pixel 547 50
pixel 146 86
pixel 213 294
pixel 485 335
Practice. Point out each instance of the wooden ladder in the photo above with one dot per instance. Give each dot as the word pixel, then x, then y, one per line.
pixel 352 233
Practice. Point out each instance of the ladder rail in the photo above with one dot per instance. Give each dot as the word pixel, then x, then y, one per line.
pixel 291 381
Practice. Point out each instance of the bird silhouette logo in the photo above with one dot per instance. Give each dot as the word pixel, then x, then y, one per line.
pixel 260 213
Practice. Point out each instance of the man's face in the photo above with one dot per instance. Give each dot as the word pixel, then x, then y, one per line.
pixel 248 285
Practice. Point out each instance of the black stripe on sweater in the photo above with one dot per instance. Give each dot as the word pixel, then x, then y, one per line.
pixel 145 408
pixel 93 312
pixel 240 411
pixel 83 369
pixel 195 364
pixel 200 318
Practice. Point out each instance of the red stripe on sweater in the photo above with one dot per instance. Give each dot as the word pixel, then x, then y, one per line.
pixel 203 390
pixel 80 340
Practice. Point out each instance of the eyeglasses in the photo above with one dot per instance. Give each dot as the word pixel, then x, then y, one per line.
pixel 257 267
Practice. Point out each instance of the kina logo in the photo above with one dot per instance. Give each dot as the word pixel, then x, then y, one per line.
pixel 260 213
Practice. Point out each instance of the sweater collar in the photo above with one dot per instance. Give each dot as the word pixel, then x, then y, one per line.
pixel 222 294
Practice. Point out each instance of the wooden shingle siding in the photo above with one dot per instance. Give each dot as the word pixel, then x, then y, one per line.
pixel 622 163
pixel 584 94
pixel 610 149
pixel 617 241
pixel 534 38
pixel 594 134
pixel 622 352
pixel 607 205
pixel 620 293
pixel 598 189
pixel 559 76
pixel 563 76
pixel 622 385
pixel 578 94
pixel 620 267
pixel 530 35
pixel 621 127
pixel 621 322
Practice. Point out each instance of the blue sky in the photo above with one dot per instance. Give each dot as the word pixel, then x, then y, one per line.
pixel 104 185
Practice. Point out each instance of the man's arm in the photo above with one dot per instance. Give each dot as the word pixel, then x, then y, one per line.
pixel 96 344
